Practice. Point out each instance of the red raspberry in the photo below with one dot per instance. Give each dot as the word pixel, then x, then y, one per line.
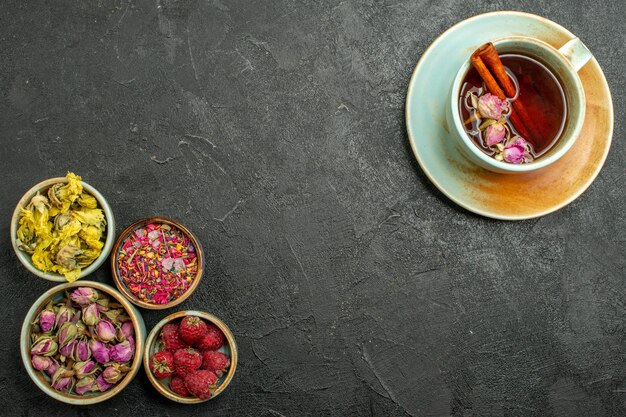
pixel 186 360
pixel 215 361
pixel 212 340
pixel 162 364
pixel 171 337
pixel 201 383
pixel 177 384
pixel 192 328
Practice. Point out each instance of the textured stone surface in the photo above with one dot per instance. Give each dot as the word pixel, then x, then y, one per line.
pixel 275 131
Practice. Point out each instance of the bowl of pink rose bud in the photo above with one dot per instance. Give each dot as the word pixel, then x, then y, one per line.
pixel 82 342
pixel 190 357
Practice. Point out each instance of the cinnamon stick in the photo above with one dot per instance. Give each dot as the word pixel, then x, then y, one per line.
pixel 494 88
pixel 490 57
pixel 495 77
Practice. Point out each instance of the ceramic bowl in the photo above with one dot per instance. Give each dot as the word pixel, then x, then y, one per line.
pixel 25 258
pixel 118 279
pixel 43 381
pixel 154 344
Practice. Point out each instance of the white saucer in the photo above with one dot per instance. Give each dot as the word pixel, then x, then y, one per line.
pixel 501 196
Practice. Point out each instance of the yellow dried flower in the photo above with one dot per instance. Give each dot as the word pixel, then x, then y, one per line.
pixel 62 195
pixel 61 220
pixel 67 256
pixel 69 229
pixel 93 217
pixel 39 203
pixel 87 200
pixel 91 235
pixel 42 257
pixel 87 257
pixel 26 235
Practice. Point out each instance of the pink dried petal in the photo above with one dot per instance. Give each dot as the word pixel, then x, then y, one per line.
pixel 167 264
pixel 179 264
pixel 161 297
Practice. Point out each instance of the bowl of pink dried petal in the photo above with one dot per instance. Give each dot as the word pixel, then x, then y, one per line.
pixel 157 263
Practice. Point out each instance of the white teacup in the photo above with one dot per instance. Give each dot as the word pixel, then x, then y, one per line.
pixel 564 64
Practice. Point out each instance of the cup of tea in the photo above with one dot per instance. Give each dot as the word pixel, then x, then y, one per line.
pixel 517 104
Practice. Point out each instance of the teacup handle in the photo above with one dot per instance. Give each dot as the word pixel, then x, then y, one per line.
pixel 576 53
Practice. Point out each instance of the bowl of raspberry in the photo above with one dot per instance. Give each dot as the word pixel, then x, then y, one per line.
pixel 190 356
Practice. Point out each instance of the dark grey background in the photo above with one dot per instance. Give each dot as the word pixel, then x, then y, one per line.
pixel 275 130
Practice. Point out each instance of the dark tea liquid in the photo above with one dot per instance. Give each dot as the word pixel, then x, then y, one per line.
pixel 537 88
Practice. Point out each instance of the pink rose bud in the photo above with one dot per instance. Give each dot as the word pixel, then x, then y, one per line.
pixel 67 333
pixel 83 369
pixel 102 384
pixel 53 368
pixel 495 133
pixel 81 351
pixel 63 380
pixel 91 314
pixel 47 318
pixel 63 384
pixel 112 375
pixel 516 151
pixel 84 295
pixel 131 342
pixel 99 351
pixel 105 331
pixel 122 352
pixel 41 363
pixel 67 350
pixel 85 385
pixel 125 331
pixel 64 314
pixel 491 107
pixel 45 346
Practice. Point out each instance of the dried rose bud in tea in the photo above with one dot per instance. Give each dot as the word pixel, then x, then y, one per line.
pixel 157 263
pixel 83 342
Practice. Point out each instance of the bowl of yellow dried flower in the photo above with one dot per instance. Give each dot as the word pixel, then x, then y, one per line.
pixel 62 229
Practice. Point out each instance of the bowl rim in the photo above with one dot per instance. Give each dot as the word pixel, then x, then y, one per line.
pixel 24 258
pixel 25 344
pixel 154 334
pixel 118 280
